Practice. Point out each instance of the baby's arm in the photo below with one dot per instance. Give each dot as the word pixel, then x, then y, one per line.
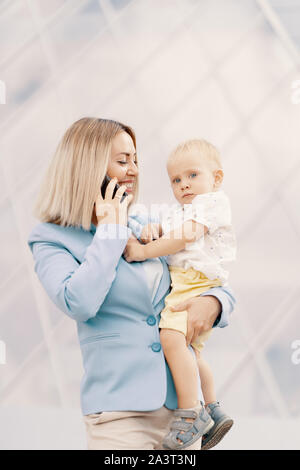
pixel 174 241
pixel 169 244
pixel 151 232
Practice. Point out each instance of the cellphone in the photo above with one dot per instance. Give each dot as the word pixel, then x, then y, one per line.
pixel 105 182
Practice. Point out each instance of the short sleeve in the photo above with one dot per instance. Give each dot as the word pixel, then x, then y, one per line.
pixel 209 209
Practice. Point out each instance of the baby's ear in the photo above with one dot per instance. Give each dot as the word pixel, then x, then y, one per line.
pixel 219 175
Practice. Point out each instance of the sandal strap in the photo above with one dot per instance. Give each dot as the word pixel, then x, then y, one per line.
pixel 186 437
pixel 186 426
pixel 171 439
pixel 181 413
pixel 189 430
pixel 181 426
pixel 214 405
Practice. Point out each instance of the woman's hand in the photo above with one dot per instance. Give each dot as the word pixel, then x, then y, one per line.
pixel 202 313
pixel 110 210
pixel 151 232
pixel 134 251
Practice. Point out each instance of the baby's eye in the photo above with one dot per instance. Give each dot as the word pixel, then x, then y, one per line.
pixel 193 175
pixel 176 180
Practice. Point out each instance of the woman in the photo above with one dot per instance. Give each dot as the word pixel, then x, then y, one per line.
pixel 127 392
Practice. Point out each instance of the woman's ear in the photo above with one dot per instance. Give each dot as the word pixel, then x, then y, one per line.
pixel 218 174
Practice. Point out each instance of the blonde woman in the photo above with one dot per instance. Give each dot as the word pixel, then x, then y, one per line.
pixel 127 391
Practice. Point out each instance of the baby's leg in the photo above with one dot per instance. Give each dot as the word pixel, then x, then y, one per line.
pixel 182 365
pixel 207 380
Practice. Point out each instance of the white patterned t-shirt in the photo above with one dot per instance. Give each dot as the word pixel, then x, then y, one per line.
pixel 213 252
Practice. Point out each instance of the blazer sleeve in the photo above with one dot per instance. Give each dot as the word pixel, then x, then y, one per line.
pixel 227 301
pixel 80 289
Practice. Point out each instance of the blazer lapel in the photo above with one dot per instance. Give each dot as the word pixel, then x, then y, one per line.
pixel 164 284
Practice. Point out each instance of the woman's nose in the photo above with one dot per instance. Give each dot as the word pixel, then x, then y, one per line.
pixel 132 169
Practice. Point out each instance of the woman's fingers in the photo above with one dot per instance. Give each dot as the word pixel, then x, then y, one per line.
pixel 120 191
pixel 190 333
pixel 99 201
pixel 111 210
pixel 180 307
pixel 127 200
pixel 194 325
pixel 195 335
pixel 110 188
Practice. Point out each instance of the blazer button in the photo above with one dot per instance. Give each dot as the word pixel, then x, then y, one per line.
pixel 156 347
pixel 151 320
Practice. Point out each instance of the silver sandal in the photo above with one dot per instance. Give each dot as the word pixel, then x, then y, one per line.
pixel 222 424
pixel 192 431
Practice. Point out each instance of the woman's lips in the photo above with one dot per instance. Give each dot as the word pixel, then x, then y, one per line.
pixel 129 185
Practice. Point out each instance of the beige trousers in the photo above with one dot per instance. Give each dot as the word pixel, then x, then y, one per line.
pixel 124 430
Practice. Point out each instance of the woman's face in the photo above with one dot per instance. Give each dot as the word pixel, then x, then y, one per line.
pixel 123 164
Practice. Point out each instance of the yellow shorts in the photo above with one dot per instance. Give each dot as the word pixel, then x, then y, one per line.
pixel 185 284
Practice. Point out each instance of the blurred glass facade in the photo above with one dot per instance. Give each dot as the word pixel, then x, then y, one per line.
pixel 173 70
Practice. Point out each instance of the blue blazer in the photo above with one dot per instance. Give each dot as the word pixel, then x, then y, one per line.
pixel 86 276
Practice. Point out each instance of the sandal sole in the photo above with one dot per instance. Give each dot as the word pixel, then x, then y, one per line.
pixel 220 432
pixel 188 444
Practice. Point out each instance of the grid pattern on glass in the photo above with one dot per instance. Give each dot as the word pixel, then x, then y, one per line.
pixel 24 78
pixel 73 32
pixel 15 28
pixel 47 9
pixel 288 12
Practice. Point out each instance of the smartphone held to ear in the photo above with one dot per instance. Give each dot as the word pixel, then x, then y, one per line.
pixel 106 180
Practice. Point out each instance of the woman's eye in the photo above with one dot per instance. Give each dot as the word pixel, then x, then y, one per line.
pixel 124 163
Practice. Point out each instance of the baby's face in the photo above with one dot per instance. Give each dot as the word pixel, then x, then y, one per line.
pixel 189 176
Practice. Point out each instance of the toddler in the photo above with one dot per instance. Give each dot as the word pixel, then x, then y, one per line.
pixel 198 240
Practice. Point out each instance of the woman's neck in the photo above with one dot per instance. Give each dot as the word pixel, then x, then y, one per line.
pixel 94 219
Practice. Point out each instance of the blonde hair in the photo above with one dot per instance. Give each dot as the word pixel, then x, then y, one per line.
pixel 199 147
pixel 76 172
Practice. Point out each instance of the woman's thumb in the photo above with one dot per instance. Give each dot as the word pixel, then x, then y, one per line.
pixel 179 307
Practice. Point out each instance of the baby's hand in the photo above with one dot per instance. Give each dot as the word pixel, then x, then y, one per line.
pixel 134 251
pixel 151 232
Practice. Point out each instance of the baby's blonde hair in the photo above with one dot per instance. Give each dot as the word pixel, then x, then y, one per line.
pixel 198 147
